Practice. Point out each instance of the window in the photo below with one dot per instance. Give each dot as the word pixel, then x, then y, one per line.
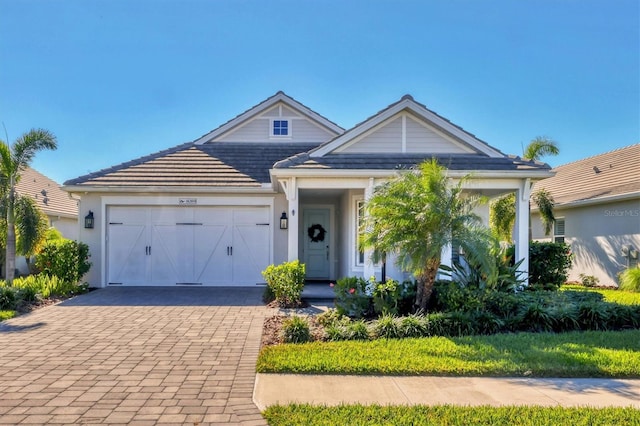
pixel 280 128
pixel 359 229
pixel 558 230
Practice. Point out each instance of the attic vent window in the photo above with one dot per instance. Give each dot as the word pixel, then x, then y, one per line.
pixel 280 128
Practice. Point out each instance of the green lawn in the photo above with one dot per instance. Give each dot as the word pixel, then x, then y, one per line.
pixel 447 415
pixel 576 354
pixel 610 295
pixel 5 315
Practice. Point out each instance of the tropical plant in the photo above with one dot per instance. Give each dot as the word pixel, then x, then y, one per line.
pixel 296 330
pixel 502 214
pixel 14 159
pixel 630 280
pixel 65 259
pixel 418 213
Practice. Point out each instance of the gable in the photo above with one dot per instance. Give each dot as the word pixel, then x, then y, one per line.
pixel 259 123
pixel 411 127
pixel 404 133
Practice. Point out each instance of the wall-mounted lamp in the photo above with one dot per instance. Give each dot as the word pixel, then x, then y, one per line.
pixel 88 220
pixel 284 221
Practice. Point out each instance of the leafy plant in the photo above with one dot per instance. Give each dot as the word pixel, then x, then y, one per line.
pixel 549 265
pixel 413 326
pixel 296 330
pixel 589 280
pixel 352 297
pixel 66 259
pixel 286 282
pixel 387 327
pixel 330 317
pixel 358 330
pixel 8 299
pixel 593 316
pixel 630 280
pixel 386 297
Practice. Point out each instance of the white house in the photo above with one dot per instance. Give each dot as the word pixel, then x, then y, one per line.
pixel 209 212
pixel 597 212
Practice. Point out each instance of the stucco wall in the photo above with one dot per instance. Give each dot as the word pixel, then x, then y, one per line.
pixel 597 234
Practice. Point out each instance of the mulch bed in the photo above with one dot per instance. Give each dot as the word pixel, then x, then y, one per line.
pixel 272 330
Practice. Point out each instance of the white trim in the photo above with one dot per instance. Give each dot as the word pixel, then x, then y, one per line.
pixel 265 106
pixel 377 173
pixel 593 201
pixel 420 112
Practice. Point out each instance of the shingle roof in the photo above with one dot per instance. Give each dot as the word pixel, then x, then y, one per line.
pixel 613 173
pixel 396 161
pixel 216 164
pixel 47 194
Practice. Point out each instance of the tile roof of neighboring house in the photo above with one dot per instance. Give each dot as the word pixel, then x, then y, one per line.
pixel 614 173
pixel 395 161
pixel 215 164
pixel 47 194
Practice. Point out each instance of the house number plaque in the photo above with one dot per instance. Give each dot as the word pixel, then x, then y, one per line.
pixel 187 201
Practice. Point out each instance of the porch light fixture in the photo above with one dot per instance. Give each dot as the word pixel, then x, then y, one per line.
pixel 284 221
pixel 88 220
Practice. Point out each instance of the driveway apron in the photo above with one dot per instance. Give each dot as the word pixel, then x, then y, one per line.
pixel 140 355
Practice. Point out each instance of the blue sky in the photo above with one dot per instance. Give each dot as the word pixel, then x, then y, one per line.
pixel 119 79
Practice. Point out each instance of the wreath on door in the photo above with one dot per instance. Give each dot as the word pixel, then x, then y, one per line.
pixel 316 233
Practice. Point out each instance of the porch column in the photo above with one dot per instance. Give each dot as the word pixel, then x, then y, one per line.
pixel 369 267
pixel 294 215
pixel 521 232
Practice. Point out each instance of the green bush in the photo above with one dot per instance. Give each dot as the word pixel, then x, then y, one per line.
pixel 413 326
pixel 358 330
pixel 549 265
pixel 386 327
pixel 66 259
pixel 630 280
pixel 48 286
pixel 589 280
pixel 296 330
pixel 330 317
pixel 352 296
pixel 8 299
pixel 286 282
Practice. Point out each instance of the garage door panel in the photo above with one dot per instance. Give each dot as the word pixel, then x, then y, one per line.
pixel 127 245
pixel 170 245
pixel 251 253
pixel 212 258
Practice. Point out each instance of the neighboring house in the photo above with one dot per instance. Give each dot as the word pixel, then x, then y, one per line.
pixel 597 212
pixel 61 210
pixel 210 212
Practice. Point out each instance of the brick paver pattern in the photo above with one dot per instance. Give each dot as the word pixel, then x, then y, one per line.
pixel 134 356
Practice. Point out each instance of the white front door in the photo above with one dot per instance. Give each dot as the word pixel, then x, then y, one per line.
pixel 316 237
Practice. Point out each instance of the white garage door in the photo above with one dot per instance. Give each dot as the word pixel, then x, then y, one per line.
pixel 187 245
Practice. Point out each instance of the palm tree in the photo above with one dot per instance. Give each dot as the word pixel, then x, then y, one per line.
pixel 418 213
pixel 13 160
pixel 502 215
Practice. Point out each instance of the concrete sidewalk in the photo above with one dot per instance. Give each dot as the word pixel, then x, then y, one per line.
pixel 273 389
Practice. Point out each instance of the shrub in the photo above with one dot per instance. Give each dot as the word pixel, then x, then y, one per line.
pixel 486 322
pixel 296 330
pixel 49 286
pixel 413 326
pixel 387 327
pixel 386 297
pixel 336 332
pixel 286 282
pixel 589 280
pixel 549 264
pixel 358 330
pixel 630 280
pixel 352 297
pixel 28 294
pixel 330 317
pixel 66 259
pixel 8 299
pixel 593 315
pixel 458 323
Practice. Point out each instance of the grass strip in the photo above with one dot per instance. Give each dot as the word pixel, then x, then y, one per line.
pixel 5 315
pixel 613 296
pixel 302 414
pixel 575 354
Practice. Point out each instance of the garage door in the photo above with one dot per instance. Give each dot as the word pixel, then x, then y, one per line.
pixel 187 245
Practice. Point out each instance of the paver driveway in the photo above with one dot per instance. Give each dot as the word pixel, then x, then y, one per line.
pixel 134 356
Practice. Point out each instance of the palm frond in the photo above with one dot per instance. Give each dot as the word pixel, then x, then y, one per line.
pixel 545 202
pixel 27 145
pixel 541 146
